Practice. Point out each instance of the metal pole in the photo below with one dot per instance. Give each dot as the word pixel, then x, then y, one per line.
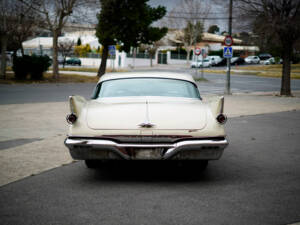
pixel 202 65
pixel 196 67
pixel 228 91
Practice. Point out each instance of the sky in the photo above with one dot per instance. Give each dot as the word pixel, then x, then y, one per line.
pixel 216 11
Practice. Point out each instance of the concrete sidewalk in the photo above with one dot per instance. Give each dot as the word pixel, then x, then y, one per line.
pixel 32 135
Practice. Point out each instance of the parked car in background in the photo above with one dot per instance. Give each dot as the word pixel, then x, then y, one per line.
pixel 223 62
pixel 146 116
pixel 264 56
pixel 237 61
pixel 268 61
pixel 60 60
pixel 73 61
pixel 215 59
pixel 201 63
pixel 253 59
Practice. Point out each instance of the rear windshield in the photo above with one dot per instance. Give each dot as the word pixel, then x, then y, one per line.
pixel 147 87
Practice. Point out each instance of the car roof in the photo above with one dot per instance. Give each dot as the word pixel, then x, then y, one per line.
pixel 147 74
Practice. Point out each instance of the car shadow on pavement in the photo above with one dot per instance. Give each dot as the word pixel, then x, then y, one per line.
pixel 151 171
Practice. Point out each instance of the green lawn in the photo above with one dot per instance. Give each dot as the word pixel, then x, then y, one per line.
pixel 261 70
pixel 63 78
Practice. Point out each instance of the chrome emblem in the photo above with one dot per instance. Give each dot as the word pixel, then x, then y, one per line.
pixel 147 123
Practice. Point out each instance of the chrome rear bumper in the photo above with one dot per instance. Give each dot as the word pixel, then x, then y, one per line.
pixel 84 148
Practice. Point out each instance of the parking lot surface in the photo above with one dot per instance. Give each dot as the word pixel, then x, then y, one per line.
pixel 255 182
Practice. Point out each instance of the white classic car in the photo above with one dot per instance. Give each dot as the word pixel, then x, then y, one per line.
pixel 146 116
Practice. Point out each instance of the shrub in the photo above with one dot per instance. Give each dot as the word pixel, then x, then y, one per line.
pixel 39 65
pixel 82 50
pixel 33 65
pixel 295 58
pixel 21 67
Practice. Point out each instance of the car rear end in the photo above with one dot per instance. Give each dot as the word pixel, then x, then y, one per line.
pixel 146 128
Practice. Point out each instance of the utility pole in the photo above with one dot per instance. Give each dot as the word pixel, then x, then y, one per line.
pixel 228 91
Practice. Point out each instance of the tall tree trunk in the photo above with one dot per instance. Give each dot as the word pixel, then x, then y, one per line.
pixel 3 55
pixel 54 56
pixel 104 56
pixel 151 56
pixel 286 71
pixel 22 49
pixel 188 51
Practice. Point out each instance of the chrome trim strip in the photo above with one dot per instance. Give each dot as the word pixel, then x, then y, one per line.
pixel 185 145
pixel 147 123
pixel 173 149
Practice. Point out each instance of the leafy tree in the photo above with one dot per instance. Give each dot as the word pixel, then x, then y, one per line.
pixel 78 41
pixel 279 22
pixel 224 33
pixel 213 29
pixel 127 23
pixel 82 50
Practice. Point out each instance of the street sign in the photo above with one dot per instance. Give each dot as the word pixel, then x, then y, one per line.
pixel 197 51
pixel 228 41
pixel 112 50
pixel 203 51
pixel 227 52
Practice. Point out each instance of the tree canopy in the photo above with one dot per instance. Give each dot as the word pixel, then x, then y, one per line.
pixel 127 23
pixel 213 29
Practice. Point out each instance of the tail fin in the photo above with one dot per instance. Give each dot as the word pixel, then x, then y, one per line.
pixel 216 105
pixel 76 103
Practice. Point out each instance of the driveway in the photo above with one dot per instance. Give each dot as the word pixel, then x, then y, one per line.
pixel 255 182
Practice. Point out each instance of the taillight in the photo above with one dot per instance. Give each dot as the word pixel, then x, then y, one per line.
pixel 221 118
pixel 71 118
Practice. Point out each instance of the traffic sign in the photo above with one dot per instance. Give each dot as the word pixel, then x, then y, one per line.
pixel 112 50
pixel 197 51
pixel 227 52
pixel 228 41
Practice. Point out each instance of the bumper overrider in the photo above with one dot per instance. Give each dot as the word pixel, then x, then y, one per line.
pixel 89 148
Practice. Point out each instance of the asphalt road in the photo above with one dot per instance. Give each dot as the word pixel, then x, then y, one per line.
pixel 33 93
pixel 257 181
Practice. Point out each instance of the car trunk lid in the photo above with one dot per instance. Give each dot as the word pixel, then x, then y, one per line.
pixel 160 113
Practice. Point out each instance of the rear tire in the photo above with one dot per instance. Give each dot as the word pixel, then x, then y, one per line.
pixel 194 165
pixel 92 164
pixel 203 164
pixel 198 165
